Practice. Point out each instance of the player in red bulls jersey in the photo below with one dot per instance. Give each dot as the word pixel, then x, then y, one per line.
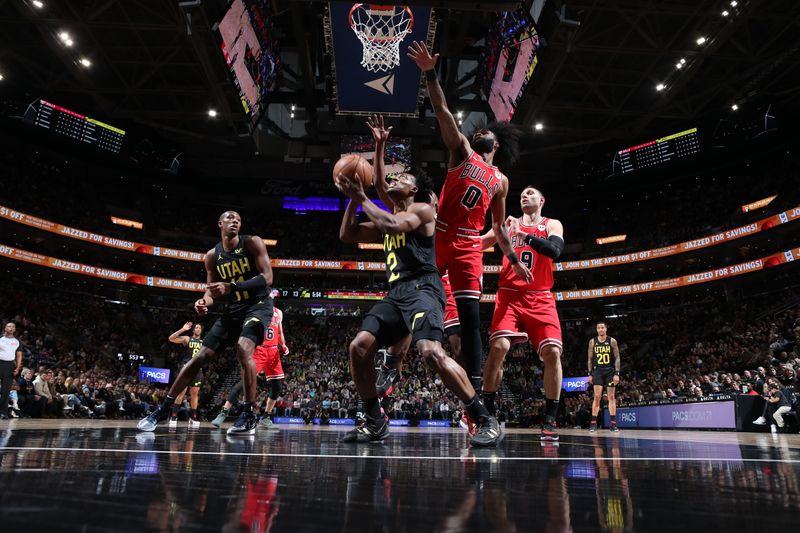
pixel 268 359
pixel 472 187
pixel 526 309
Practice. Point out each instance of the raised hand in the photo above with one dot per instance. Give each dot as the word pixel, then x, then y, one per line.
pixel 380 133
pixel 418 53
pixel 350 187
pixel 187 326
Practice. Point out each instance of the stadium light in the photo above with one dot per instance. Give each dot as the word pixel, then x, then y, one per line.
pixel 37 4
pixel 725 13
pixel 734 3
pixel 85 62
pixel 64 36
pixel 700 40
pixel 460 114
pixel 212 113
pixel 660 87
pixel 682 61
pixel 734 107
pixel 678 65
pixel 538 126
pixel 1 77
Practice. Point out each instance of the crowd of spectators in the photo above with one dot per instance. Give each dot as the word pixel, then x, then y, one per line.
pixel 72 341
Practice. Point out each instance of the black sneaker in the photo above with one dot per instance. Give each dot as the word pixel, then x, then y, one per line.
pixel 488 433
pixel 369 431
pixel 244 425
pixel 592 428
pixel 150 422
pixel 387 377
pixel 549 431
pixel 613 427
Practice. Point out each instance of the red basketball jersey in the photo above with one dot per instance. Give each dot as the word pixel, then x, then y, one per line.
pixel 540 265
pixel 467 192
pixel 272 335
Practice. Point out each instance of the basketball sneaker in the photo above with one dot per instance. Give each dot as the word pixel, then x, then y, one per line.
pixel 613 427
pixel 487 433
pixel 760 421
pixel 267 423
pixel 217 422
pixel 244 425
pixel 387 378
pixel 194 424
pixel 150 422
pixel 173 423
pixel 371 430
pixel 593 427
pixel 469 424
pixel 549 430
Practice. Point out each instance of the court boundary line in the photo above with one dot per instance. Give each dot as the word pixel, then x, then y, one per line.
pixel 401 457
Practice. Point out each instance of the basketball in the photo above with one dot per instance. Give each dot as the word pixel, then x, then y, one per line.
pixel 354 165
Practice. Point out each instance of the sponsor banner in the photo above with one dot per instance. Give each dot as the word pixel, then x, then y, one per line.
pixel 153 375
pixel 675 249
pixel 314 264
pixel 705 415
pixel 586 294
pixel 758 204
pixel 609 240
pixel 580 384
pixel 288 420
pixel 434 423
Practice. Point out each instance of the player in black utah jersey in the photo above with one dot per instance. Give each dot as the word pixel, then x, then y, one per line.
pixel 193 344
pixel 415 303
pixel 604 372
pixel 238 271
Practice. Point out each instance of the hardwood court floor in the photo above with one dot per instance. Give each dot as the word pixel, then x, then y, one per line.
pixel 70 475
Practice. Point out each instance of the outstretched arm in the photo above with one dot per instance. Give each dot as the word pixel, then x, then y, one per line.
pixel 380 135
pixel 456 143
pixel 386 223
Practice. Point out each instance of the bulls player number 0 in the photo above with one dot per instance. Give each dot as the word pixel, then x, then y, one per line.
pixel 471 197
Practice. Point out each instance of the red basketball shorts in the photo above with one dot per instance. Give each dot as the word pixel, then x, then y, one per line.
pixel 268 360
pixel 450 310
pixel 524 315
pixel 462 259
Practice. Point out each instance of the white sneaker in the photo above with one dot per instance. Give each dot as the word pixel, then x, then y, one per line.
pixel 194 424
pixel 173 423
pixel 760 421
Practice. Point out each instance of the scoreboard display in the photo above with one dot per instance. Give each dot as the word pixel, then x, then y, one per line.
pixel 657 152
pixel 79 127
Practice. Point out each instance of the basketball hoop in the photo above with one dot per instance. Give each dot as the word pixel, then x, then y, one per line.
pixel 380 29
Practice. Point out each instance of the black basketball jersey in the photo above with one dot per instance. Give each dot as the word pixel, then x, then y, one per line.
pixel 193 347
pixel 602 354
pixel 408 256
pixel 238 265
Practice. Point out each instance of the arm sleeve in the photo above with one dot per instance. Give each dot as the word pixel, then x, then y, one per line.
pixel 550 247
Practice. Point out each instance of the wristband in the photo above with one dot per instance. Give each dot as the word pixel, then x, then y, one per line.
pixel 512 258
pixel 430 75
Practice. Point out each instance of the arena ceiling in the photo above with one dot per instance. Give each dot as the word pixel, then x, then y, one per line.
pixel 155 66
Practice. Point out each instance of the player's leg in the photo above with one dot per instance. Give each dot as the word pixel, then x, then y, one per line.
pixel 273 370
pixel 251 335
pixel 230 401
pixel 612 406
pixel 553 375
pixel 216 341
pixel 173 412
pixel 382 318
pixel 598 397
pixel 389 372
pixel 275 387
pixel 504 331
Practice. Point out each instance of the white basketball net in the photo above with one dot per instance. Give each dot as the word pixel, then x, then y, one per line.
pixel 381 31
